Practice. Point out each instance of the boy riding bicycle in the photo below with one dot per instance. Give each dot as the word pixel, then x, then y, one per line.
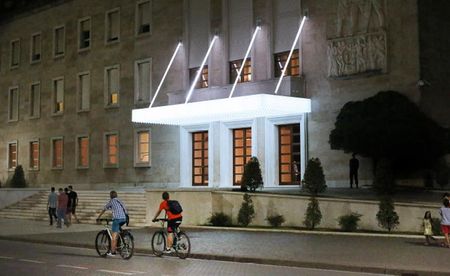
pixel 174 218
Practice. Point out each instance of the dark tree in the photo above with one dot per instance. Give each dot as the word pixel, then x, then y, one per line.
pixel 314 179
pixel 18 179
pixel 390 126
pixel 313 215
pixel 247 211
pixel 387 217
pixel 252 178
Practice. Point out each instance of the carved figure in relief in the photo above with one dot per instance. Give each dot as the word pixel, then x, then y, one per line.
pixel 379 51
pixel 354 16
pixel 340 47
pixel 361 55
pixel 377 6
pixel 332 63
pixel 344 16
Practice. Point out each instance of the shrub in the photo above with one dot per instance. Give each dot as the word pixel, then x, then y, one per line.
pixel 384 181
pixel 436 227
pixel 247 211
pixel 220 219
pixel 275 220
pixel 18 179
pixel 349 223
pixel 252 178
pixel 314 179
pixel 386 216
pixel 313 215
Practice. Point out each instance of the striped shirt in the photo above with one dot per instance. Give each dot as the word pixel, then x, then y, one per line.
pixel 115 205
pixel 52 199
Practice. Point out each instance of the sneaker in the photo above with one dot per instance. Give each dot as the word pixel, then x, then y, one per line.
pixel 168 250
pixel 111 254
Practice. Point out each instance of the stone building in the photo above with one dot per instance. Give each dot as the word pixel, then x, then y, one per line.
pixel 73 71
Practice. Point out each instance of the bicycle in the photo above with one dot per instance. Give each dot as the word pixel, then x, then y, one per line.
pixel 125 241
pixel 181 242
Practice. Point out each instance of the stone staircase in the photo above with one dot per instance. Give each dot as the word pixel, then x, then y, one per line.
pixel 90 203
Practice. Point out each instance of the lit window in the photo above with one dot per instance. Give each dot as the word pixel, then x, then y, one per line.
pixel 112 85
pixel 142 148
pixel 12 155
pixel 34 155
pixel 246 74
pixel 36 47
pixel 242 152
pixel 200 158
pixel 84 33
pixel 82 152
pixel 35 100
pixel 84 87
pixel 59 41
pixel 57 153
pixel 143 17
pixel 203 80
pixel 143 81
pixel 293 68
pixel 13 104
pixel 15 53
pixel 58 96
pixel 289 154
pixel 111 150
pixel 112 25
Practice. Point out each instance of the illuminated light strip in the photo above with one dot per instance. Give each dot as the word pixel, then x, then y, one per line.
pixel 243 62
pixel 199 72
pixel 165 73
pixel 290 54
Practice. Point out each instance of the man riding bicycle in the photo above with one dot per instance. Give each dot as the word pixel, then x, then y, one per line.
pixel 174 220
pixel 119 218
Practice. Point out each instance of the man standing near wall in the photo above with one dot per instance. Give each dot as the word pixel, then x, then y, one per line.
pixel 73 203
pixel 354 166
pixel 51 205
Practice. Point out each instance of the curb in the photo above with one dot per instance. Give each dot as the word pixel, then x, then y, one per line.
pixel 275 262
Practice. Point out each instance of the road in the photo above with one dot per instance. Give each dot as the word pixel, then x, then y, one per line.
pixel 19 258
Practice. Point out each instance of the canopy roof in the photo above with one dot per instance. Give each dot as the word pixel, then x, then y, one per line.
pixel 228 109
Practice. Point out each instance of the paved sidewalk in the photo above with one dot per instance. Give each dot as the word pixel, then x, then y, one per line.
pixel 350 252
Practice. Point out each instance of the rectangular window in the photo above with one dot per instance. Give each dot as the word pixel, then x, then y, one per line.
pixel 246 74
pixel 142 145
pixel 57 153
pixel 200 158
pixel 13 104
pixel 143 81
pixel 112 150
pixel 242 152
pixel 143 17
pixel 15 53
pixel 112 86
pixel 35 100
pixel 12 155
pixel 58 96
pixel 203 80
pixel 293 68
pixel 35 48
pixel 34 155
pixel 289 154
pixel 82 152
pixel 59 41
pixel 84 33
pixel 83 91
pixel 112 30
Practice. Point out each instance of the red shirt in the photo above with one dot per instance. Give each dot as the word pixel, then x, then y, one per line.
pixel 63 199
pixel 165 206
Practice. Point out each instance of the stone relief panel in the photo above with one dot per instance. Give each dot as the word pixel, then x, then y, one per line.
pixel 359 43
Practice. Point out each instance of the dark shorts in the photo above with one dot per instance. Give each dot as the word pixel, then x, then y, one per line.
pixel 68 210
pixel 73 209
pixel 173 224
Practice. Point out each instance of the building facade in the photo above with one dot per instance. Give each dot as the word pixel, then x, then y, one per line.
pixel 72 73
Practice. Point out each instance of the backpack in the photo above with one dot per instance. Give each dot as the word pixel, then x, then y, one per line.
pixel 174 207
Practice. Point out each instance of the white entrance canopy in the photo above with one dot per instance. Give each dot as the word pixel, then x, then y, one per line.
pixel 228 109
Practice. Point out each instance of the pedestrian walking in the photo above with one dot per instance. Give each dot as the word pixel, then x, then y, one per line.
pixel 427 228
pixel 445 221
pixel 72 206
pixel 51 205
pixel 354 166
pixel 62 207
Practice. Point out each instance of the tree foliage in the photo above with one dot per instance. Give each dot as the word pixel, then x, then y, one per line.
pixel 252 178
pixel 388 125
pixel 247 211
pixel 384 181
pixel 313 215
pixel 18 179
pixel 314 179
pixel 387 217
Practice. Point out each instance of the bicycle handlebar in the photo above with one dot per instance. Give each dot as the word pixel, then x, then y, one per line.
pixel 104 219
pixel 160 219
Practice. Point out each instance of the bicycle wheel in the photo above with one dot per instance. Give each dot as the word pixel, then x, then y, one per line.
pixel 158 243
pixel 127 246
pixel 102 243
pixel 183 246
